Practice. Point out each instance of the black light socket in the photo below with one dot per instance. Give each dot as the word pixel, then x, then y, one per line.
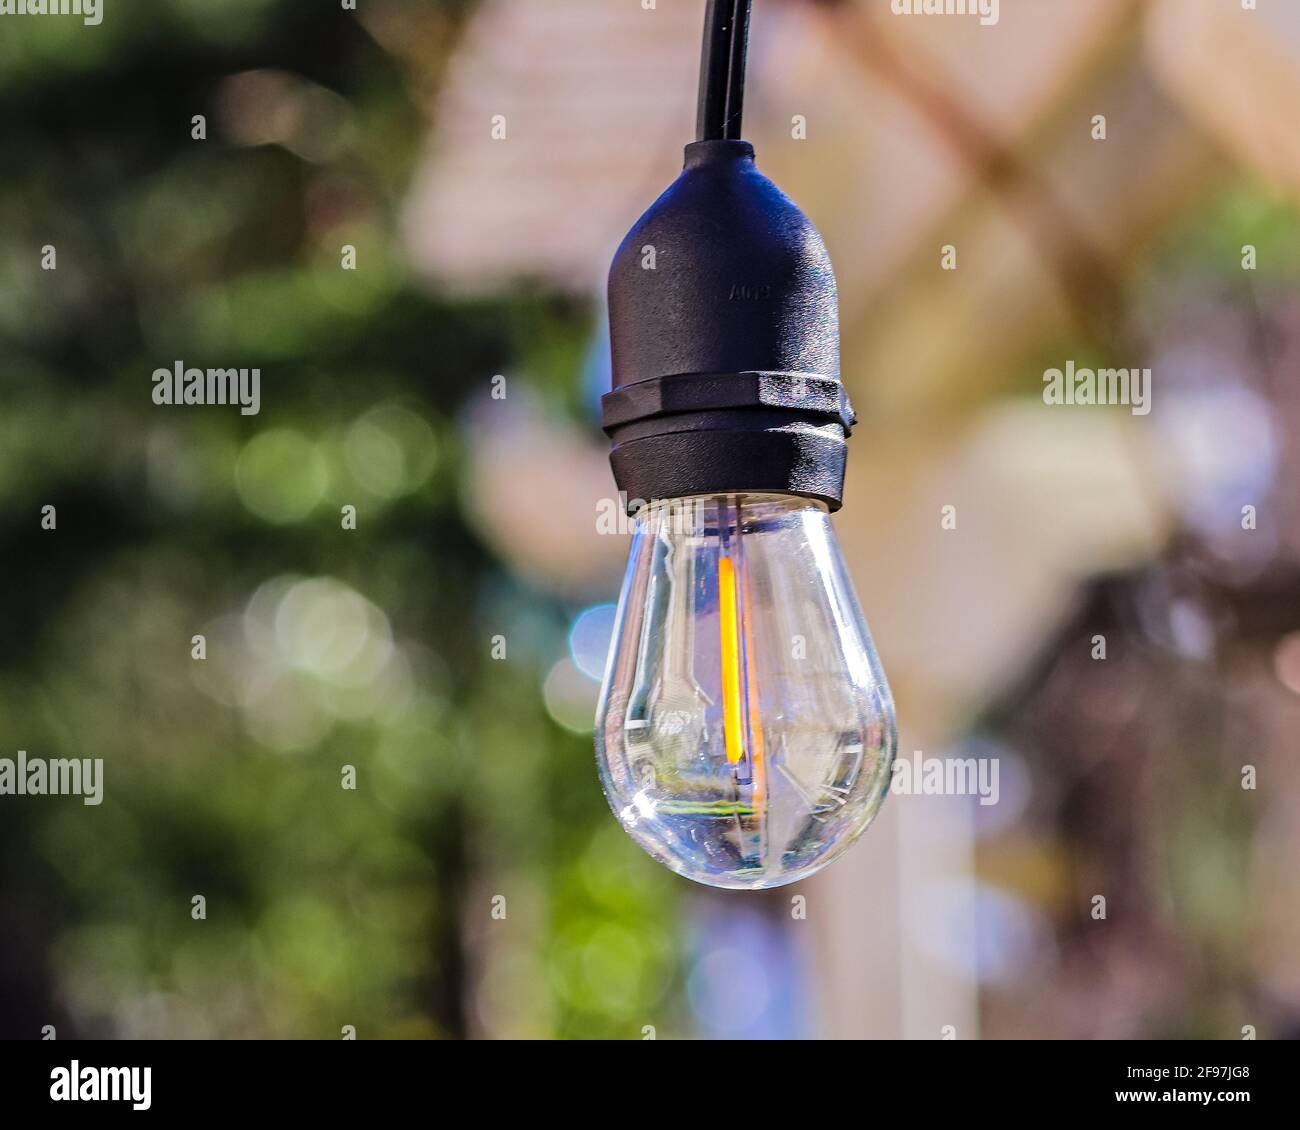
pixel 724 329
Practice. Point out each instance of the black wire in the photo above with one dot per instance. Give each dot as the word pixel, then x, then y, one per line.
pixel 722 70
pixel 736 76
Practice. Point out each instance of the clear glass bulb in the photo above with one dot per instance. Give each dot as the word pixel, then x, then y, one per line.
pixel 745 731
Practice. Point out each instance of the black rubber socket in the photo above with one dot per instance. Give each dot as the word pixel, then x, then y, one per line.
pixel 724 328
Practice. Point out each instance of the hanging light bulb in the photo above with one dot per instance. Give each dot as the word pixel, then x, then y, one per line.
pixel 745 731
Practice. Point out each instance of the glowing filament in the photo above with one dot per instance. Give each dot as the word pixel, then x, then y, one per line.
pixel 733 729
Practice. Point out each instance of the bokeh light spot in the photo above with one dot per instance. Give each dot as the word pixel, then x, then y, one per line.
pixel 1286 662
pixel 391 451
pixel 589 639
pixel 281 475
pixel 570 697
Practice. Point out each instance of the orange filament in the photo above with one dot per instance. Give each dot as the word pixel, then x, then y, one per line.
pixel 733 729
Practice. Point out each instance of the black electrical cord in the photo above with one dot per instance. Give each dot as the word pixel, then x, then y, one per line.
pixel 722 70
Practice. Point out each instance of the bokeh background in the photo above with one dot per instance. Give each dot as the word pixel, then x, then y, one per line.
pixel 482 258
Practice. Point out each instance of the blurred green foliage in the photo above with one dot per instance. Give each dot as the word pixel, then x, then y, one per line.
pixel 326 647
